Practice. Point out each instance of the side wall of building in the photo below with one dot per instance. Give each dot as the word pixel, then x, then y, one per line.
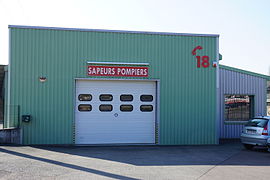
pixel 240 83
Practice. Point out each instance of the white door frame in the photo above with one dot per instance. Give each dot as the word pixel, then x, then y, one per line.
pixel 157 119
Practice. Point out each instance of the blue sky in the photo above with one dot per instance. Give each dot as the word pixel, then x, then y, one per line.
pixel 243 25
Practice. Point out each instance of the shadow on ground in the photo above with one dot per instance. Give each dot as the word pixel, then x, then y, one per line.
pixel 225 154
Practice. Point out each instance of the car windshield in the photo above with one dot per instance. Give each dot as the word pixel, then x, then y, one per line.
pixel 257 122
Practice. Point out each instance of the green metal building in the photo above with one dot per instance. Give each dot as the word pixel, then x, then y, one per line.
pixel 88 86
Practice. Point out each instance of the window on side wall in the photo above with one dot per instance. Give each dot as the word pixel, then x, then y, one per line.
pixel 238 107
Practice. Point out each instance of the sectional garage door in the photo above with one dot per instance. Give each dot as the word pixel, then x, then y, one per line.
pixel 115 111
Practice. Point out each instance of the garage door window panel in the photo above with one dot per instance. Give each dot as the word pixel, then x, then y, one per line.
pixel 126 108
pixel 105 107
pixel 126 97
pixel 85 97
pixel 146 98
pixel 84 107
pixel 105 97
pixel 146 108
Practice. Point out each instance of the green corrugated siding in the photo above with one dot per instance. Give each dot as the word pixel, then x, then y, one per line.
pixel 5 97
pixel 187 93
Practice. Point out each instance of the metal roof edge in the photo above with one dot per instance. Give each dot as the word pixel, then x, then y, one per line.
pixel 112 31
pixel 244 71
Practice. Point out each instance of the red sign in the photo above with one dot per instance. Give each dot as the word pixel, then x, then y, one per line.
pixel 202 61
pixel 195 49
pixel 122 71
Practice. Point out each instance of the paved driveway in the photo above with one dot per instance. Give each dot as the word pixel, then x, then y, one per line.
pixel 226 161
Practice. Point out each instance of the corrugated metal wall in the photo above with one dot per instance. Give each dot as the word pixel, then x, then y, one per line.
pixel 187 93
pixel 5 97
pixel 233 82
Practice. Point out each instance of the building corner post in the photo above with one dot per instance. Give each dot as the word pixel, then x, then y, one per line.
pixel 217 92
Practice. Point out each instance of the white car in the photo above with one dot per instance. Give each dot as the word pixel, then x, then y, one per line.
pixel 256 132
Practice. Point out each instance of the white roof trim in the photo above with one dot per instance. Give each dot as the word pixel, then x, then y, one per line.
pixel 115 31
pixel 117 63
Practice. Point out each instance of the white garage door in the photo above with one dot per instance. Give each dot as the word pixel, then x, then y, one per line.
pixel 115 112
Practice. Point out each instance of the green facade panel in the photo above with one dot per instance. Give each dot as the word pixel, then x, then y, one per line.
pixel 187 93
pixel 5 97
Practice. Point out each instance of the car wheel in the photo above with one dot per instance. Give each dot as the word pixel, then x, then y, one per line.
pixel 248 146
